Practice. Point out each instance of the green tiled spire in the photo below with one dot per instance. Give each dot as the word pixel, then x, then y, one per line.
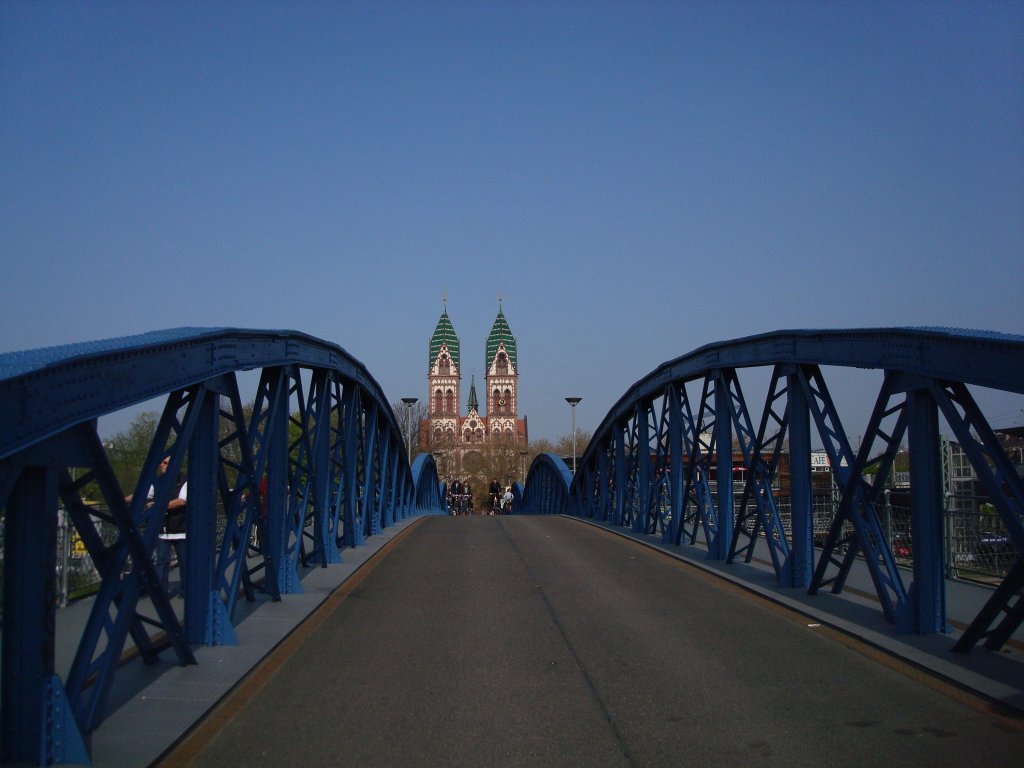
pixel 500 332
pixel 444 333
pixel 473 404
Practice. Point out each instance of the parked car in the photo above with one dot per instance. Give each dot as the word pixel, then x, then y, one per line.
pixel 902 546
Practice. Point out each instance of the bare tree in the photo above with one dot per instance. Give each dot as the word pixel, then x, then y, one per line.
pixel 564 445
pixel 414 414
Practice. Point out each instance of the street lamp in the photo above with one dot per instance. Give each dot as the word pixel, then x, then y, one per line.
pixel 522 465
pixel 409 403
pixel 573 401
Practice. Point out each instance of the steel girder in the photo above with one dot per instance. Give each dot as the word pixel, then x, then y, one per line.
pixel 925 373
pixel 49 402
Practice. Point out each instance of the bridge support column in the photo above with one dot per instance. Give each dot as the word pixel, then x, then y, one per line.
pixel 927 594
pixel 675 455
pixel 801 554
pixel 641 520
pixel 620 476
pixel 719 548
pixel 277 487
pixel 37 722
pixel 206 620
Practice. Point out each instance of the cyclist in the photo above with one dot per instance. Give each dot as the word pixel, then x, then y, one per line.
pixel 494 491
pixel 454 496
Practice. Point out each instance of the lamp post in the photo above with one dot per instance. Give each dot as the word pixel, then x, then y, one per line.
pixel 409 403
pixel 573 401
pixel 522 465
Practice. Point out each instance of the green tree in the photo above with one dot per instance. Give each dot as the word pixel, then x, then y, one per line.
pixel 127 450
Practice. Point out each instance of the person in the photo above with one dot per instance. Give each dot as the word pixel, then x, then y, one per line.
pixel 172 536
pixel 506 501
pixel 260 518
pixel 172 530
pixel 468 493
pixel 455 496
pixel 494 491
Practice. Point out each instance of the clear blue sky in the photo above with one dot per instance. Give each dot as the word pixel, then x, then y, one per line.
pixel 638 179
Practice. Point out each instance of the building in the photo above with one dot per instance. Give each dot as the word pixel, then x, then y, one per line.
pixel 477 446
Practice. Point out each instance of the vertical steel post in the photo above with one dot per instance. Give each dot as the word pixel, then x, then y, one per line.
pixel 36 724
pixel 29 610
pixel 206 622
pixel 641 520
pixel 619 469
pixel 353 535
pixel 927 596
pixel 675 454
pixel 801 553
pixel 277 483
pixel 719 548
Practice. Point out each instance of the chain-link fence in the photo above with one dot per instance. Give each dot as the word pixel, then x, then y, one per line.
pixel 77 575
pixel 977 545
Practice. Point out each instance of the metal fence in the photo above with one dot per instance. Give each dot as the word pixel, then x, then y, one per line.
pixel 977 546
pixel 77 576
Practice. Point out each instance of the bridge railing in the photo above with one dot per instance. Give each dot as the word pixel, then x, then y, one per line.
pixel 317 464
pixel 686 454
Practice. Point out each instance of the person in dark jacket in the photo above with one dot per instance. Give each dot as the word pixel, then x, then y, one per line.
pixel 172 536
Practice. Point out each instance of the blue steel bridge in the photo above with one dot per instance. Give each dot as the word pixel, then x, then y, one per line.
pixel 321 448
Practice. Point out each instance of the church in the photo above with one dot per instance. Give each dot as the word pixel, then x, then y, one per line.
pixel 478 446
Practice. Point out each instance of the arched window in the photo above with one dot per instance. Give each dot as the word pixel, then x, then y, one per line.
pixel 502 363
pixel 449 402
pixel 508 399
pixel 444 365
pixel 438 394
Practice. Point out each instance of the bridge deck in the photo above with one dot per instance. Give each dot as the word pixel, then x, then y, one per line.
pixel 543 641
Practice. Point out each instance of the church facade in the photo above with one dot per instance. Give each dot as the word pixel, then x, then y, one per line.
pixel 484 443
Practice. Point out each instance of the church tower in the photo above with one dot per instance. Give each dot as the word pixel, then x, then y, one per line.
pixel 443 377
pixel 501 364
pixel 487 443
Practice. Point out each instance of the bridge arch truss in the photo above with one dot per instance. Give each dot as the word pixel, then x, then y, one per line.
pixel 653 465
pixel 318 464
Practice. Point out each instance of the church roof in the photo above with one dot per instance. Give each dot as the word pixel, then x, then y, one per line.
pixel 444 333
pixel 500 333
pixel 472 404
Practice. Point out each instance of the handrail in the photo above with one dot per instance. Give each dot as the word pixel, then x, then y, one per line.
pixel 982 358
pixel 46 390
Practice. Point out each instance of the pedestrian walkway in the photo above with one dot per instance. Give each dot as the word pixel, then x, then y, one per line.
pixel 157 705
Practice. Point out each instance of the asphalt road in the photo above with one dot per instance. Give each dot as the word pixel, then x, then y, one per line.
pixel 538 641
